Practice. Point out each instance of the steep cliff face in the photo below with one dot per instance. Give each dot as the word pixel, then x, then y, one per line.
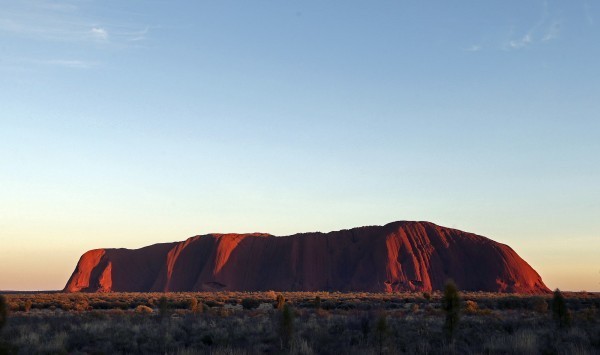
pixel 400 256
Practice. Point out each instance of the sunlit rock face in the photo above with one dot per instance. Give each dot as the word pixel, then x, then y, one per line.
pixel 399 256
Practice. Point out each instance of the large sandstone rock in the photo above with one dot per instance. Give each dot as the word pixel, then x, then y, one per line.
pixel 400 256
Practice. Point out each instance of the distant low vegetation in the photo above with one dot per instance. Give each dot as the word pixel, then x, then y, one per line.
pixel 302 323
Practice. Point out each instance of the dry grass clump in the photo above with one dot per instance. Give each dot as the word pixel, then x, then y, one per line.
pixel 143 309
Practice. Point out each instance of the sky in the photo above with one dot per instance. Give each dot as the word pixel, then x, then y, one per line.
pixel 128 123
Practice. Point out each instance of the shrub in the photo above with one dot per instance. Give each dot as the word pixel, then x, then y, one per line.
pixel 116 312
pixel 25 306
pixel 539 305
pixel 560 312
pixel 427 296
pixel 328 305
pixel 143 309
pixel 451 305
pixel 223 311
pixel 513 302
pixel 81 306
pixel 471 307
pixel 250 303
pixel 213 303
pixel 588 314
pixel 65 306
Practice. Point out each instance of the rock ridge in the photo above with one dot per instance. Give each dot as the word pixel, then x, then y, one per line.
pixel 399 256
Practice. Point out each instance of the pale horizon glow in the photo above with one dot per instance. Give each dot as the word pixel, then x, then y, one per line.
pixel 125 124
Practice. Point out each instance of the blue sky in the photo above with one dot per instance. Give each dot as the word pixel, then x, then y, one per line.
pixel 129 123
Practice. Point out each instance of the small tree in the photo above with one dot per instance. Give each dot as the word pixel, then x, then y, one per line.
pixel 451 305
pixel 317 302
pixel 3 311
pixel 287 325
pixel 163 307
pixel 560 312
pixel 381 329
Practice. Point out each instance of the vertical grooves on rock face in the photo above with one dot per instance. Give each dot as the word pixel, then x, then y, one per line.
pixel 172 258
pixel 417 256
pixel 83 274
pixel 105 284
pixel 225 246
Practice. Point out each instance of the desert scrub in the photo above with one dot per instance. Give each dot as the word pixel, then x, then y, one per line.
pixel 338 331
